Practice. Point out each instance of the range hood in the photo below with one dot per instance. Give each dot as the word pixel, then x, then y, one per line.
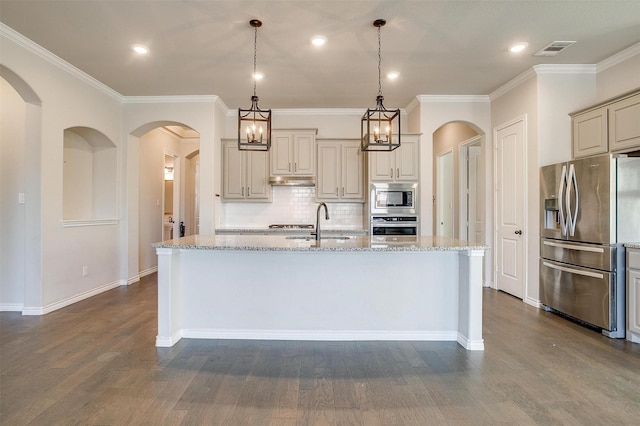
pixel 292 180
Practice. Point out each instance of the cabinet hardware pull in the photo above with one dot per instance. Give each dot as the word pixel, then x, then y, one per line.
pixel 343 191
pixel 295 167
pixel 397 173
pixel 391 173
pixel 336 191
pixel 289 167
pixel 248 192
pixel 243 191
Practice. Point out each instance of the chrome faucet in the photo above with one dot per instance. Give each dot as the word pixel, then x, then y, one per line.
pixel 326 216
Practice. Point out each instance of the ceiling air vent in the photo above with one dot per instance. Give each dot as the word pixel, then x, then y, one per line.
pixel 553 48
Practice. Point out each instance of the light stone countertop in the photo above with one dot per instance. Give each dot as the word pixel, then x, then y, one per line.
pixel 632 245
pixel 282 243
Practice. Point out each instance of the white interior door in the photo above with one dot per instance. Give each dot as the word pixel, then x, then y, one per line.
pixel 444 194
pixel 510 207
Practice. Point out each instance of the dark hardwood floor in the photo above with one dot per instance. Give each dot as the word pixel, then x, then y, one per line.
pixel 95 363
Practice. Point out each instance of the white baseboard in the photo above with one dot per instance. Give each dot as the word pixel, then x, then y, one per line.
pixel 470 345
pixel 11 307
pixel 136 278
pixel 533 302
pixel 324 335
pixel 69 301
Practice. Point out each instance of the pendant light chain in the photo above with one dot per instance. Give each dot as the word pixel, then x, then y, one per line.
pixel 379 64
pixel 255 55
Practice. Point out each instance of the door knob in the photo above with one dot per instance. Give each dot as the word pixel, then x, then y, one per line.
pixel 518 232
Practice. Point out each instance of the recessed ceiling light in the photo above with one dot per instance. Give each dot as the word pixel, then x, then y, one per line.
pixel 518 47
pixel 393 75
pixel 258 76
pixel 140 49
pixel 318 40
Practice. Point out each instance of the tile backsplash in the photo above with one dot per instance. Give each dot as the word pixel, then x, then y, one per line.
pixel 291 205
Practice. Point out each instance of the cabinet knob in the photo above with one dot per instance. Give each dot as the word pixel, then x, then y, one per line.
pixel 518 232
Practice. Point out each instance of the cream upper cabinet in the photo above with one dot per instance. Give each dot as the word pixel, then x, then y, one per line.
pixel 613 126
pixel 293 153
pixel 400 165
pixel 624 124
pixel 340 171
pixel 633 295
pixel 245 174
pixel 590 133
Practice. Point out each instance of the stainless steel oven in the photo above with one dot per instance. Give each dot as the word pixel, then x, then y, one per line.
pixel 394 225
pixel 393 199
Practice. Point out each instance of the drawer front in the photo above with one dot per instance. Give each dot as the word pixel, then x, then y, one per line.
pixel 585 294
pixel 633 258
pixel 588 255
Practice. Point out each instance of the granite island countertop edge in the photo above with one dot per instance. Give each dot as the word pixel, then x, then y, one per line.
pixel 279 243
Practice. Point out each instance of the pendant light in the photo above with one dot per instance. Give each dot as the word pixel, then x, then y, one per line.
pixel 380 130
pixel 254 124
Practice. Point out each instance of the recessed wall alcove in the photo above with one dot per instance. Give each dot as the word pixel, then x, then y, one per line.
pixel 89 177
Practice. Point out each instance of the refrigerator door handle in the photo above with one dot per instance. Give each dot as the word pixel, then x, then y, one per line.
pixel 574 271
pixel 574 247
pixel 561 188
pixel 572 215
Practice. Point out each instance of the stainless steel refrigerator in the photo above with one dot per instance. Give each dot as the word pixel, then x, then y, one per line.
pixel 590 208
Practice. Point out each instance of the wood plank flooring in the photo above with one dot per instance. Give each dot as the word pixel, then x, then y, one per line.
pixel 95 363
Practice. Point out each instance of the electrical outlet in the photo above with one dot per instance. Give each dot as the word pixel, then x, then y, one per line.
pixel 85 270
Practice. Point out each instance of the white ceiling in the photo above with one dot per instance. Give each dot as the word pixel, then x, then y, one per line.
pixel 205 47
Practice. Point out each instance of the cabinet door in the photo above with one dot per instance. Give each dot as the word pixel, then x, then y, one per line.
pixel 257 164
pixel 304 163
pixel 633 301
pixel 328 181
pixel 407 160
pixel 624 124
pixel 590 133
pixel 281 154
pixel 382 166
pixel 233 172
pixel 352 172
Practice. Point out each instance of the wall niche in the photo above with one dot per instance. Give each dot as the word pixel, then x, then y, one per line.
pixel 89 176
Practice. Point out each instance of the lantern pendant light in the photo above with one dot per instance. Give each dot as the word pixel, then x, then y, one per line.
pixel 254 124
pixel 380 130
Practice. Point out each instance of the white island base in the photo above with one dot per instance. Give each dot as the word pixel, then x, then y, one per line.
pixel 333 293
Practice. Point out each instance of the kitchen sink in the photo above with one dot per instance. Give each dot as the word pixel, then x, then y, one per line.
pixel 322 237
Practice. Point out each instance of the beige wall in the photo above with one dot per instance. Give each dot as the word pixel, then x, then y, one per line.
pixel 620 78
pixel 12 182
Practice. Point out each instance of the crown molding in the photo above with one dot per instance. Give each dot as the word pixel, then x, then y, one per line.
pixel 14 36
pixel 512 84
pixel 312 111
pixel 452 98
pixel 621 56
pixel 177 99
pixel 564 69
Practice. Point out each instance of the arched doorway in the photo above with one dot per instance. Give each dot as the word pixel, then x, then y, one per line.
pixel 166 187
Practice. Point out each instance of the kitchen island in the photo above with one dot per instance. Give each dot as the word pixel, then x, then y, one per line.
pixel 341 288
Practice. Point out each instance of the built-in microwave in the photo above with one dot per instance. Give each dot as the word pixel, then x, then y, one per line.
pixel 394 198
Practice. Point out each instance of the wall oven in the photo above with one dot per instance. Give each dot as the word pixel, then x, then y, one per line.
pixel 394 225
pixel 393 199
